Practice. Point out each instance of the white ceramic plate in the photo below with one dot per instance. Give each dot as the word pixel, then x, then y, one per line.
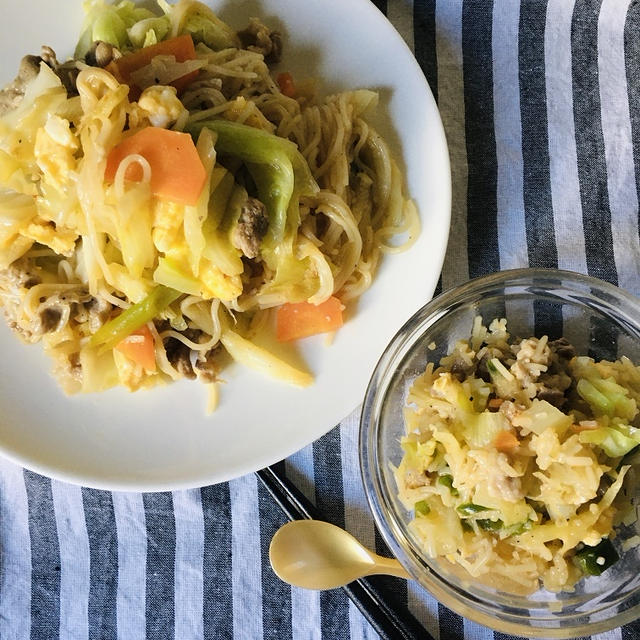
pixel 161 439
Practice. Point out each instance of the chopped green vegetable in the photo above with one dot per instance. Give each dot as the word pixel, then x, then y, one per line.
pixel 490 525
pixel 109 23
pixel 133 318
pixel 470 509
pixel 204 26
pixel 466 526
pixel 612 440
pixel 447 481
pixel 421 508
pixel 594 560
pixel 606 397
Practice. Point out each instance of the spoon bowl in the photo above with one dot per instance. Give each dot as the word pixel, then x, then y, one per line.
pixel 313 554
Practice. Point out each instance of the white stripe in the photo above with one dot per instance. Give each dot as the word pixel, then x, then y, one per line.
pixel 565 186
pixel 132 565
pixel 474 631
pixel 15 546
pixel 451 104
pixel 74 560
pixel 245 558
pixel 187 509
pixel 512 238
pixel 400 14
pixel 299 469
pixel 614 634
pixel 618 145
pixel 357 516
pixel 305 604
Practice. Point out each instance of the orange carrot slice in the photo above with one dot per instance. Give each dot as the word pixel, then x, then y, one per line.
pixel 302 319
pixel 177 172
pixel 139 347
pixel 286 84
pixel 506 441
pixel 181 47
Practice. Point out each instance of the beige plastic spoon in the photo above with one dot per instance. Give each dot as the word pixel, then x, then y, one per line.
pixel 318 555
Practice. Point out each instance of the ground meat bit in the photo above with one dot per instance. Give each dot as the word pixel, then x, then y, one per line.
pixel 101 54
pixel 414 479
pixel 12 94
pixel 259 38
pixel 552 396
pixel 251 228
pixel 563 348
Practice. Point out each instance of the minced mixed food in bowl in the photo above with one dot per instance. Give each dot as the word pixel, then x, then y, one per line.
pixel 517 459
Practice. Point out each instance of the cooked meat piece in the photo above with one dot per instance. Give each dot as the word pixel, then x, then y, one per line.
pixel 552 396
pixel 206 366
pixel 101 54
pixel 50 319
pixel 66 71
pixel 99 312
pixel 563 348
pixel 259 38
pixel 179 355
pixel 461 369
pixel 12 94
pixel 48 56
pixel 482 370
pixel 23 273
pixel 251 228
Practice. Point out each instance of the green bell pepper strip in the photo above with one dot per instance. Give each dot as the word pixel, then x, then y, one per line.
pixel 470 509
pixel 117 329
pixel 447 481
pixel 278 168
pixel 592 561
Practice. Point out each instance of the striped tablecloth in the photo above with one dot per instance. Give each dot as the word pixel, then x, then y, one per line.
pixel 541 105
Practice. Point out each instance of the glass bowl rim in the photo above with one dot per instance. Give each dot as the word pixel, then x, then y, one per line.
pixel 600 295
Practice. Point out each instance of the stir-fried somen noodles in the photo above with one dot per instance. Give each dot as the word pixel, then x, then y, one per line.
pixel 163 197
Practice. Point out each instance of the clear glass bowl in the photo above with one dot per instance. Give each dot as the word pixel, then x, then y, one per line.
pixel 600 320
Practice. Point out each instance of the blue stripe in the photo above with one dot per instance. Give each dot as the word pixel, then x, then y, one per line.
pixel 161 547
pixel 45 558
pixel 103 563
pixel 424 30
pixel 276 594
pixel 217 594
pixel 538 207
pixel 482 207
pixel 327 467
pixel 632 57
pixel 450 624
pixel 592 170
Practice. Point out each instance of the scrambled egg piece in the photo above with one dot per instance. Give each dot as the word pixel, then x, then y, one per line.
pixel 168 219
pixel 54 151
pixel 61 240
pixel 159 106
pixel 217 283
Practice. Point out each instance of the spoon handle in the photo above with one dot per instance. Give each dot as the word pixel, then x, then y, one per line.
pixel 385 621
pixel 389 566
